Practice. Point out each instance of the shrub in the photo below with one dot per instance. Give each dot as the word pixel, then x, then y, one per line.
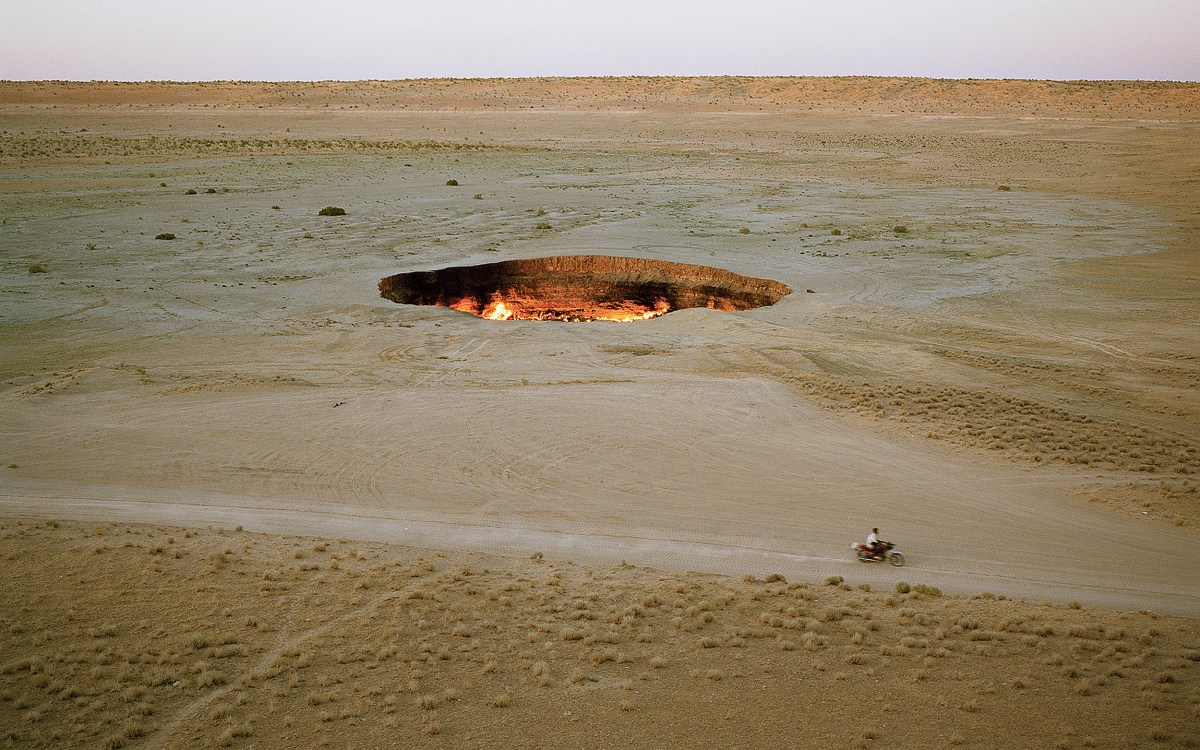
pixel 164 236
pixel 452 183
pixel 900 229
pixel 902 587
pixel 331 211
pixel 921 588
pixel 744 230
pixel 1003 188
pixel 478 196
pixel 833 581
pixel 189 191
pixel 542 225
pixel 210 191
pixel 36 268
pixel 836 232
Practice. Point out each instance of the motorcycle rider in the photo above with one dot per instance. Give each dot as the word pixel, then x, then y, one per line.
pixel 874 543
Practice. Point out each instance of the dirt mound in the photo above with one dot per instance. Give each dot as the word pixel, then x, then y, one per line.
pixel 581 288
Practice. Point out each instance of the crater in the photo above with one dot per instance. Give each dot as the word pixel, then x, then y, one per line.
pixel 580 288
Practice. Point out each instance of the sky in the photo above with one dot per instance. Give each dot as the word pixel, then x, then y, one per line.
pixel 196 40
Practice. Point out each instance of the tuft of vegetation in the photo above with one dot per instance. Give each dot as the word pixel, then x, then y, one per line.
pixel 189 191
pixel 542 226
pixel 921 588
pixel 900 229
pixel 836 232
pixel 36 268
pixel 452 183
pixel 833 581
pixel 331 211
pixel 1003 188
pixel 902 587
pixel 744 230
pixel 164 236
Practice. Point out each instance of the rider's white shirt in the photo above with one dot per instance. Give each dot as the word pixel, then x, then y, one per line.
pixel 872 538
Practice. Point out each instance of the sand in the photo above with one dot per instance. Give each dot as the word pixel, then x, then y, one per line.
pixel 996 365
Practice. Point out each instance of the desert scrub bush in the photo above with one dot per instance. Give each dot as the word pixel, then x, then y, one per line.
pixel 36 268
pixel 744 230
pixel 836 232
pixel 164 236
pixel 833 581
pixel 921 588
pixel 543 226
pixel 451 183
pixel 331 211
pixel 900 229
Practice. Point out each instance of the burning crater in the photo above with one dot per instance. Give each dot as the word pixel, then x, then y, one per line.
pixel 581 288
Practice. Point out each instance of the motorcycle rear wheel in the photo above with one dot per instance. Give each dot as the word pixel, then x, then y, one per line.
pixel 896 559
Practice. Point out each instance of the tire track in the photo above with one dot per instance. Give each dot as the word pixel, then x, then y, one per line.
pixel 164 734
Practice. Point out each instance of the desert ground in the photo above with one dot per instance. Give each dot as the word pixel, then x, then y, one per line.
pixel 248 502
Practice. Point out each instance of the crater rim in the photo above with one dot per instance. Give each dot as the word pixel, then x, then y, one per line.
pixel 581 288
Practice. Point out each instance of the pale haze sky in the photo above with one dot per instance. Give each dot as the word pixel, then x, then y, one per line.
pixel 374 39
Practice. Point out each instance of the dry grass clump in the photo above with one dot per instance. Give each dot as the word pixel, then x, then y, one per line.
pixel 1013 425
pixel 1175 499
pixel 38 149
pixel 97 663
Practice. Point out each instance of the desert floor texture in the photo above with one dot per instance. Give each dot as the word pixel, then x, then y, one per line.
pixel 247 502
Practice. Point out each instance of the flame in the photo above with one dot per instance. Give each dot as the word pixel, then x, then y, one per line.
pixel 630 317
pixel 497 309
pixel 499 312
pixel 661 307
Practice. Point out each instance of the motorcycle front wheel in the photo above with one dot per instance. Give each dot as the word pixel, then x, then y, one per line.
pixel 896 559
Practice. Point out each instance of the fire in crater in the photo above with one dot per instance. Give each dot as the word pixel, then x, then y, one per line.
pixel 579 288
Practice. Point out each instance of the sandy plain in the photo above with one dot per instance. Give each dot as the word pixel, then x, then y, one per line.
pixel 997 365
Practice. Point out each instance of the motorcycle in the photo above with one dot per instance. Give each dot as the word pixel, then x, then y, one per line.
pixel 890 553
